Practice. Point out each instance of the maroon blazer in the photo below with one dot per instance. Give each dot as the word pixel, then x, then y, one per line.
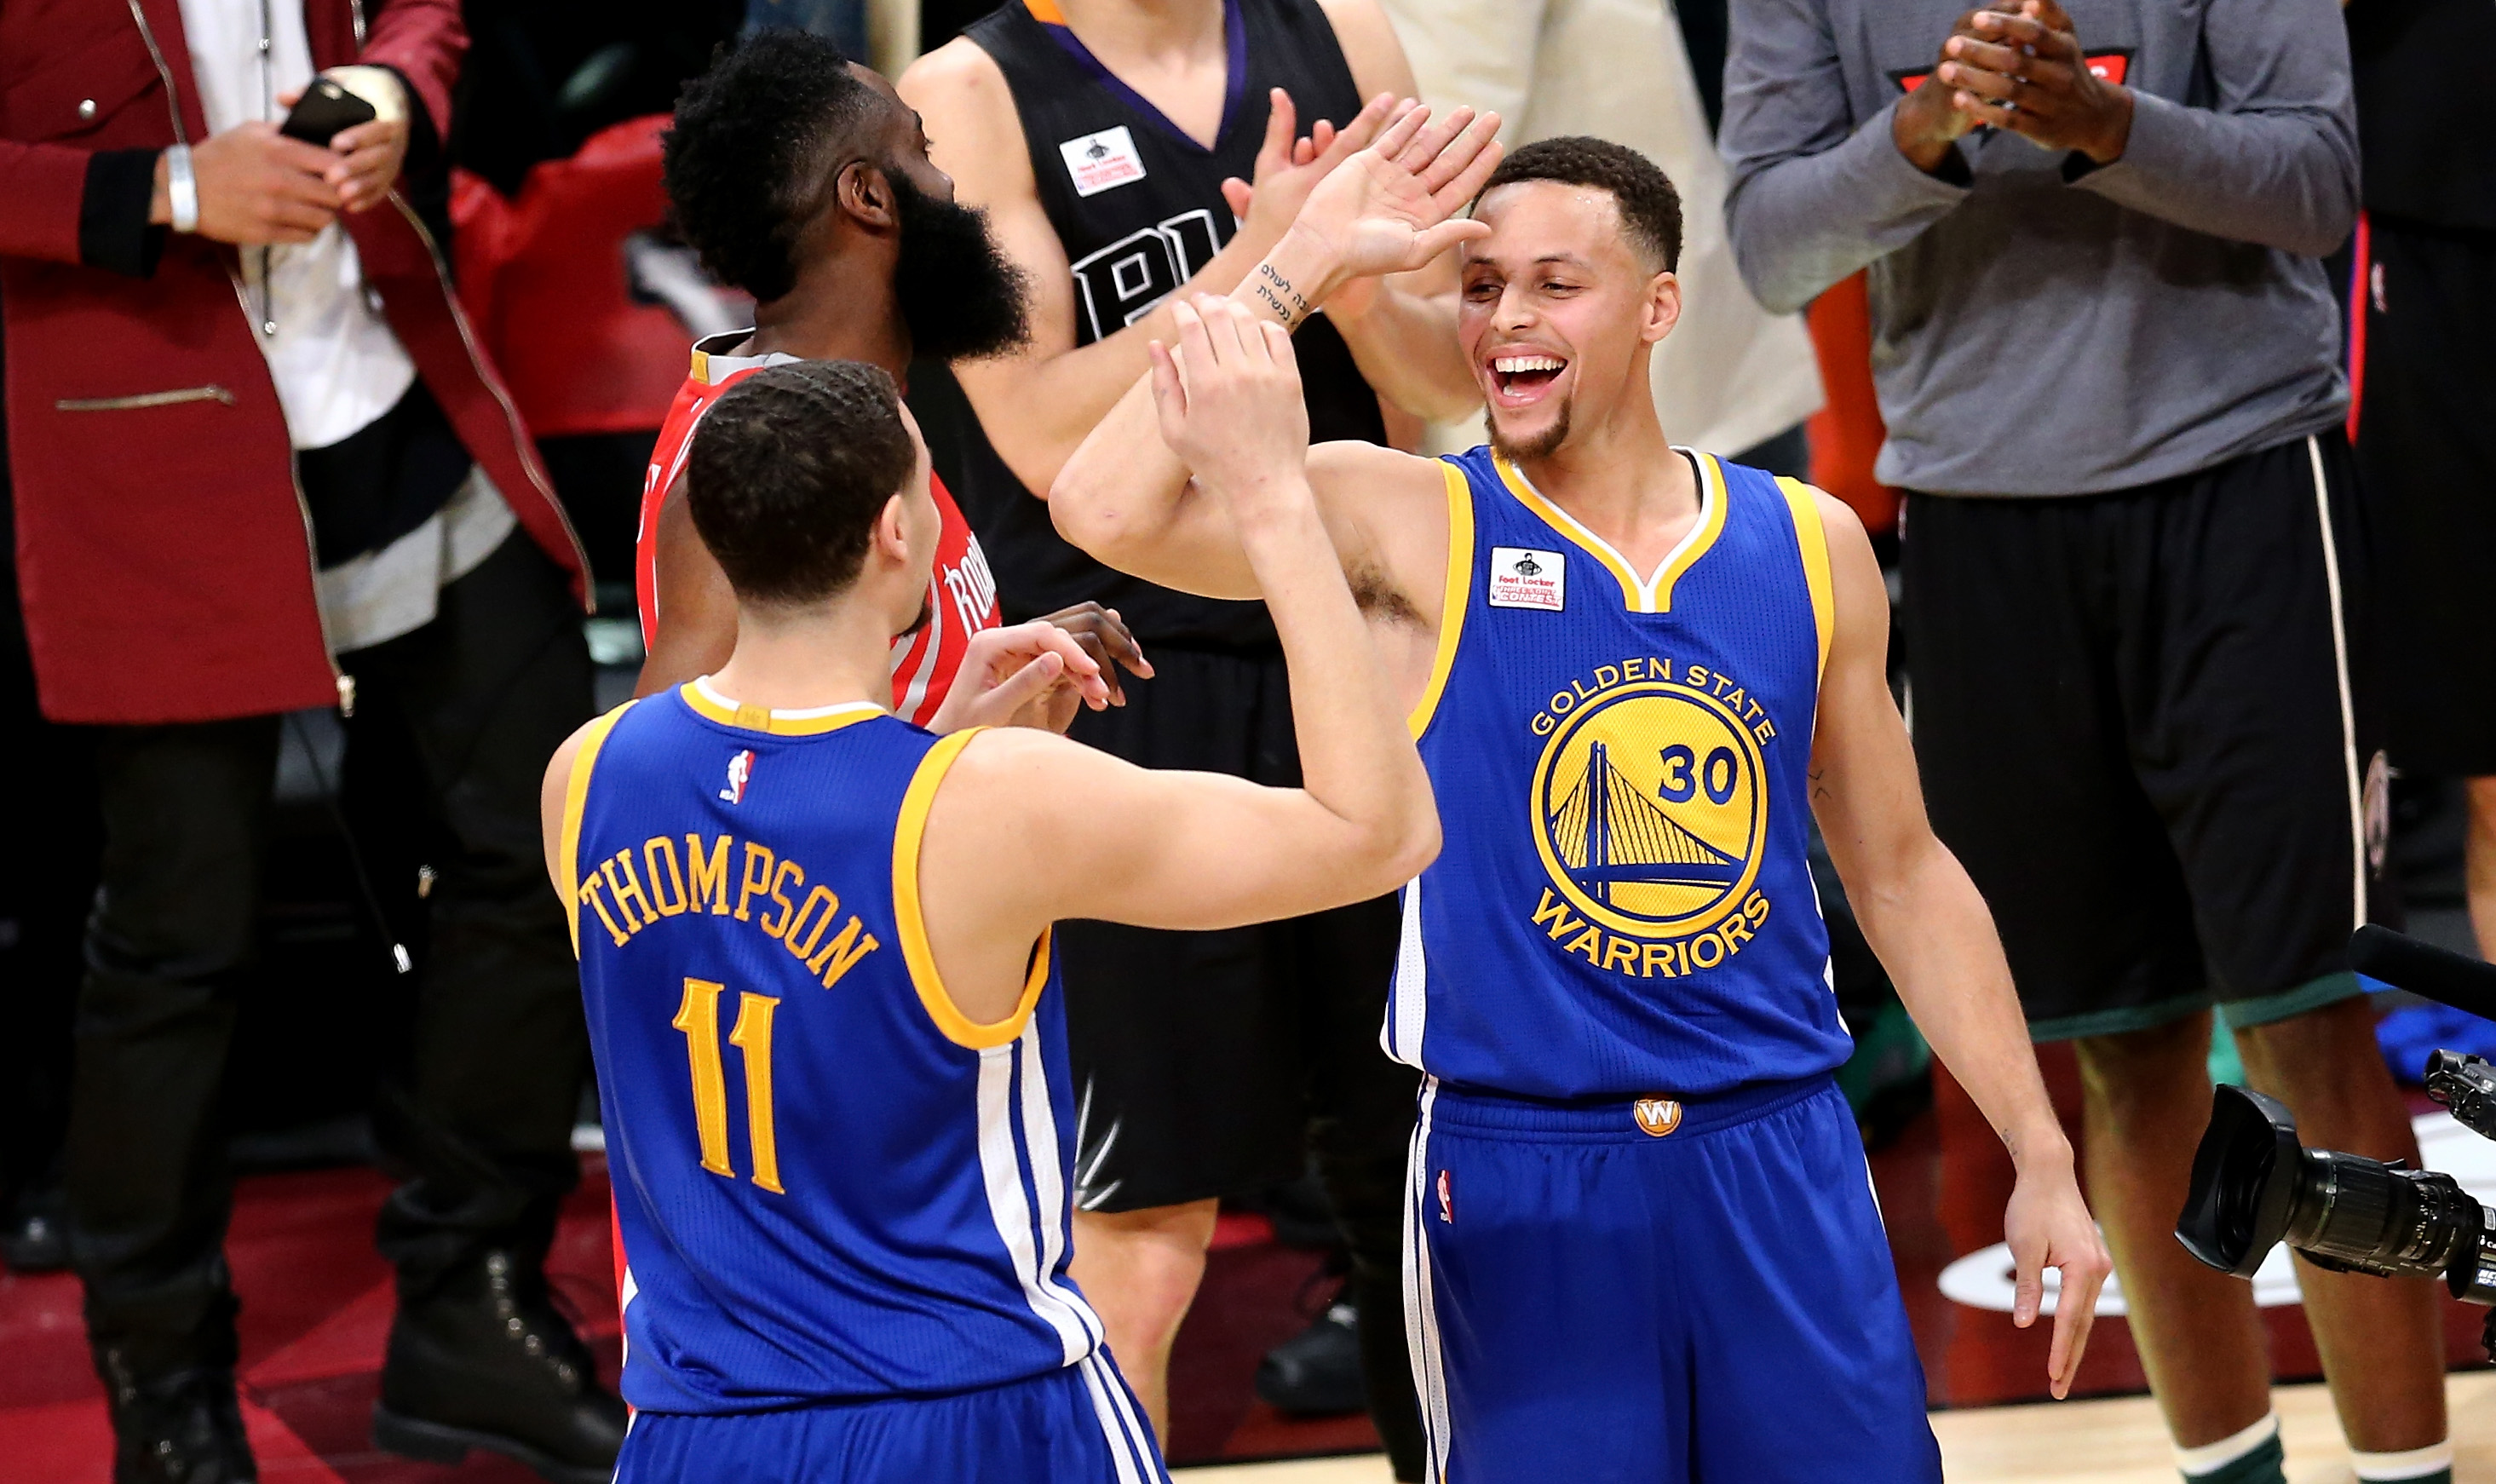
pixel 163 553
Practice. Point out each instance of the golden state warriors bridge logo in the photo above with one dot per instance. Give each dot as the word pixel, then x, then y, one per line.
pixel 1651 811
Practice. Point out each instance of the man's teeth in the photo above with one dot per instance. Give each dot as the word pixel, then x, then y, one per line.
pixel 1510 365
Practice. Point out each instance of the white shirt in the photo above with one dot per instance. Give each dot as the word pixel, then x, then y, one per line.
pixel 335 362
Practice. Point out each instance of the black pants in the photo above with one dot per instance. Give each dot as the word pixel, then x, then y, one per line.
pixel 455 722
pixel 46 882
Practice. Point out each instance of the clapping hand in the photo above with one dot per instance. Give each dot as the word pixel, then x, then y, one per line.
pixel 2021 70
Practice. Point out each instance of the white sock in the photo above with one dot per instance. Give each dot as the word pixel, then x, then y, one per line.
pixel 2211 1457
pixel 2416 1464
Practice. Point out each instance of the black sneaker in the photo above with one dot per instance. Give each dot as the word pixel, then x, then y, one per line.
pixel 182 1427
pixel 486 1361
pixel 1317 1372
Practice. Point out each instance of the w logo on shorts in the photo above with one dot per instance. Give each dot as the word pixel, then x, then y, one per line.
pixel 1656 1116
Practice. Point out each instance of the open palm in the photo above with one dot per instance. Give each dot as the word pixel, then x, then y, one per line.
pixel 1393 207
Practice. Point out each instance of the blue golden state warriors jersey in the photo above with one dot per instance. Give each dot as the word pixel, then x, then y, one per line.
pixel 830 1185
pixel 1622 907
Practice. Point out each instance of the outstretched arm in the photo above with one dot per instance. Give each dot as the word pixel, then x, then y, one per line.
pixel 1933 933
pixel 1125 497
pixel 1086 835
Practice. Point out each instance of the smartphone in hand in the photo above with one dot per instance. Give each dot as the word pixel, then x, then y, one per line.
pixel 324 110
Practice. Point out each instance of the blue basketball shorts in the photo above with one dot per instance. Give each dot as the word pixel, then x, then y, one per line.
pixel 1711 1304
pixel 1076 1426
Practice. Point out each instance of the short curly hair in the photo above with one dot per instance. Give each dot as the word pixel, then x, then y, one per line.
pixel 790 470
pixel 1650 207
pixel 744 157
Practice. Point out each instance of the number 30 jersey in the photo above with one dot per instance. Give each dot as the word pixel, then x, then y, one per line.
pixel 1623 905
pixel 829 1184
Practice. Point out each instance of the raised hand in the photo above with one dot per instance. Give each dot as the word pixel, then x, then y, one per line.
pixel 1393 207
pixel 1229 399
pixel 1289 166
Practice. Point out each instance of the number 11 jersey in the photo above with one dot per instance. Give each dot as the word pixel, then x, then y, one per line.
pixel 830 1185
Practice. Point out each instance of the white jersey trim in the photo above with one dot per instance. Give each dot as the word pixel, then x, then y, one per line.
pixel 1420 1311
pixel 1002 1171
pixel 1408 1003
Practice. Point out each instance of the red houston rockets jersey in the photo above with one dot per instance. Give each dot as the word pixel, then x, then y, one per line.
pixel 962 595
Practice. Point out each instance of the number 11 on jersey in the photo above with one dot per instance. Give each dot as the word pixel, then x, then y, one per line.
pixel 697 1017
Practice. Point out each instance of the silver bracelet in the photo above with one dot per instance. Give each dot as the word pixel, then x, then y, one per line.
pixel 181 188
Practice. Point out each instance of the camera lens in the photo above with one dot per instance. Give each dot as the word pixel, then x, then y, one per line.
pixel 2254 1185
pixel 2359 1213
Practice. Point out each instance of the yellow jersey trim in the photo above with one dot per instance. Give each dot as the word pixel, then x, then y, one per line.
pixel 575 800
pixel 910 919
pixel 701 367
pixel 707 703
pixel 1812 536
pixel 1651 595
pixel 1457 596
pixel 1045 12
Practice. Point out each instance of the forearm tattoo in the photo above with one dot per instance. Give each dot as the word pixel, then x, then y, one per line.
pixel 1279 296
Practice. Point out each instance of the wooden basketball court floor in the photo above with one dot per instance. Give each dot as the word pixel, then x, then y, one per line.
pixel 2117 1440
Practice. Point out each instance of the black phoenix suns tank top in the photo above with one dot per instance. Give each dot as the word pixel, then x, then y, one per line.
pixel 1139 207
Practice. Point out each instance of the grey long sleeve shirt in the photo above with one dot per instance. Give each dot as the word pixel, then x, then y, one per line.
pixel 2045 327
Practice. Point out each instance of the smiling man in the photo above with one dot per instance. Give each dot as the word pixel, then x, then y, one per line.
pixel 1639 1223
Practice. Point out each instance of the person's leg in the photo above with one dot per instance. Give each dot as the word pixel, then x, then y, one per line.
pixel 1140 1270
pixel 49 796
pixel 1362 1122
pixel 1549 1328
pixel 2145 1100
pixel 185 816
pixel 2253 721
pixel 480 1113
pixel 2015 695
pixel 1791 1294
pixel 2381 1340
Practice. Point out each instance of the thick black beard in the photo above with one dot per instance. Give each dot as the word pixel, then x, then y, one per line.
pixel 1542 446
pixel 960 297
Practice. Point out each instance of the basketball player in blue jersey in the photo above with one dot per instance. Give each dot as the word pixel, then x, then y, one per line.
pixel 1641 1240
pixel 815 948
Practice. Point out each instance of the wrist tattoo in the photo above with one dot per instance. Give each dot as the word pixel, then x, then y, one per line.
pixel 1275 290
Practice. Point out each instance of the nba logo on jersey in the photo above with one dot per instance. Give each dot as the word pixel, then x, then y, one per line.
pixel 1447 1199
pixel 741 772
pixel 1524 579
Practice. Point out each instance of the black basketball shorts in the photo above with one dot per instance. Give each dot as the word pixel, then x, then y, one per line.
pixel 1202 1058
pixel 2140 723
pixel 2425 446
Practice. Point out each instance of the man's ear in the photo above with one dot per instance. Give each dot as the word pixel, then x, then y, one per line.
pixel 864 193
pixel 891 535
pixel 1663 307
